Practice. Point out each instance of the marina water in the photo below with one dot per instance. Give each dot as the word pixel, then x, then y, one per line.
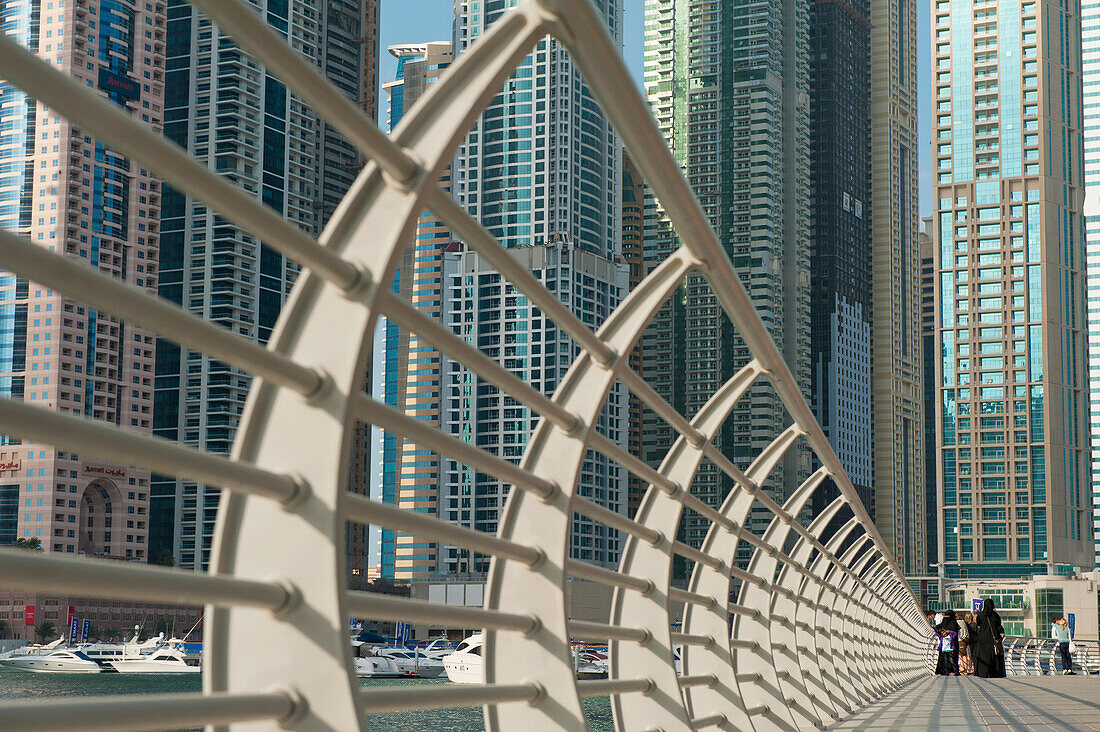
pixel 19 684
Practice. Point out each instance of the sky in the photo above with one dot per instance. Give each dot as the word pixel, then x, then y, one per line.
pixel 414 21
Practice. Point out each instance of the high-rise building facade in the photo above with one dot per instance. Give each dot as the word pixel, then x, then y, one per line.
pixel 929 352
pixel 1090 40
pixel 634 257
pixel 70 193
pixel 729 86
pixel 841 237
pixel 541 170
pixel 410 475
pixel 897 393
pixel 232 115
pixel 1012 410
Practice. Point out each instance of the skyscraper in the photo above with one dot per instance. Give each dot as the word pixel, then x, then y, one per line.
pixel 1090 32
pixel 897 393
pixel 929 352
pixel 541 170
pixel 634 256
pixel 410 476
pixel 74 195
pixel 729 86
pixel 230 113
pixel 1010 253
pixel 841 237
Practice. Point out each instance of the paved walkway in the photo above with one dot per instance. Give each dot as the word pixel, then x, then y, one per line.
pixel 1015 704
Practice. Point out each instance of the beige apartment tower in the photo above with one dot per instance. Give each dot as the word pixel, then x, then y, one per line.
pixel 69 193
pixel 897 443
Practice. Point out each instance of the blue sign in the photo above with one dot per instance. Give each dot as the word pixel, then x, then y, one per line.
pixel 976 605
pixel 401 633
pixel 85 628
pixel 73 630
pixel 123 86
pixel 1071 620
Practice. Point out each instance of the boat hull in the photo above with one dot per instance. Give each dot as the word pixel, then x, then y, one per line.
pixel 153 667
pixel 46 666
pixel 463 668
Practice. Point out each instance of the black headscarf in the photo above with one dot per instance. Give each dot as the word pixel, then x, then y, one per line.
pixel 949 622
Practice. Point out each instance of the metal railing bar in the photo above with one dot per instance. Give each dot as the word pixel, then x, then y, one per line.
pixel 423 433
pixel 749 577
pixel 714 720
pixel 675 594
pixel 735 609
pixel 690 552
pixel 363 510
pixel 687 639
pixel 480 240
pixel 745 645
pixel 601 66
pixel 445 340
pixel 387 607
pixel 595 573
pixel 87 109
pixel 113 580
pixel 91 287
pixel 612 687
pixel 383 699
pixel 111 443
pixel 747 678
pixel 618 521
pixel 307 82
pixel 708 512
pixel 735 474
pixel 602 632
pixel 636 466
pixel 688 682
pixel 141 712
pixel 649 396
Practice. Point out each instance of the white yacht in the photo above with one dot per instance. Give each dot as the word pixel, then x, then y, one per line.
pixel 412 663
pixel 56 661
pixel 376 667
pixel 105 653
pixel 161 661
pixel 32 649
pixel 465 665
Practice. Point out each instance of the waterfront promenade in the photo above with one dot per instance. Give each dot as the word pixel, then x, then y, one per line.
pixel 1014 704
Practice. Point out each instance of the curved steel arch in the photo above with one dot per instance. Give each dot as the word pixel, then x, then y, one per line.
pixel 781 655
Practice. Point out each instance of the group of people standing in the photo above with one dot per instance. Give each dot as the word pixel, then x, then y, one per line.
pixel 973 645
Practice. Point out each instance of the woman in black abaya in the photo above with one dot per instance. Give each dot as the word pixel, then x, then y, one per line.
pixel 989 656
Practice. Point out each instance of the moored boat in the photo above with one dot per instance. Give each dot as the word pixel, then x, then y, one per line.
pixel 56 661
pixel 162 661
pixel 465 665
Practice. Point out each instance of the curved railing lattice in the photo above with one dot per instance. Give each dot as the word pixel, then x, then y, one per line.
pixel 821 622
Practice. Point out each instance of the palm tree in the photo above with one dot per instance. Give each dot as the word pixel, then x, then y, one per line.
pixel 34 544
pixel 44 630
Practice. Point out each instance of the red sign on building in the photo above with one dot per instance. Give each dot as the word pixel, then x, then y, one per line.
pixel 28 614
pixel 72 612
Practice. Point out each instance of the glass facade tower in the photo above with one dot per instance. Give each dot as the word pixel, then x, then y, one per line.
pixel 70 193
pixel 228 112
pixel 542 171
pixel 1009 233
pixel 729 85
pixel 410 475
pixel 841 237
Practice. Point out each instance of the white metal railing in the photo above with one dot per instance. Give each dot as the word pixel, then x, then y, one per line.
pixel 821 623
pixel 1025 656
